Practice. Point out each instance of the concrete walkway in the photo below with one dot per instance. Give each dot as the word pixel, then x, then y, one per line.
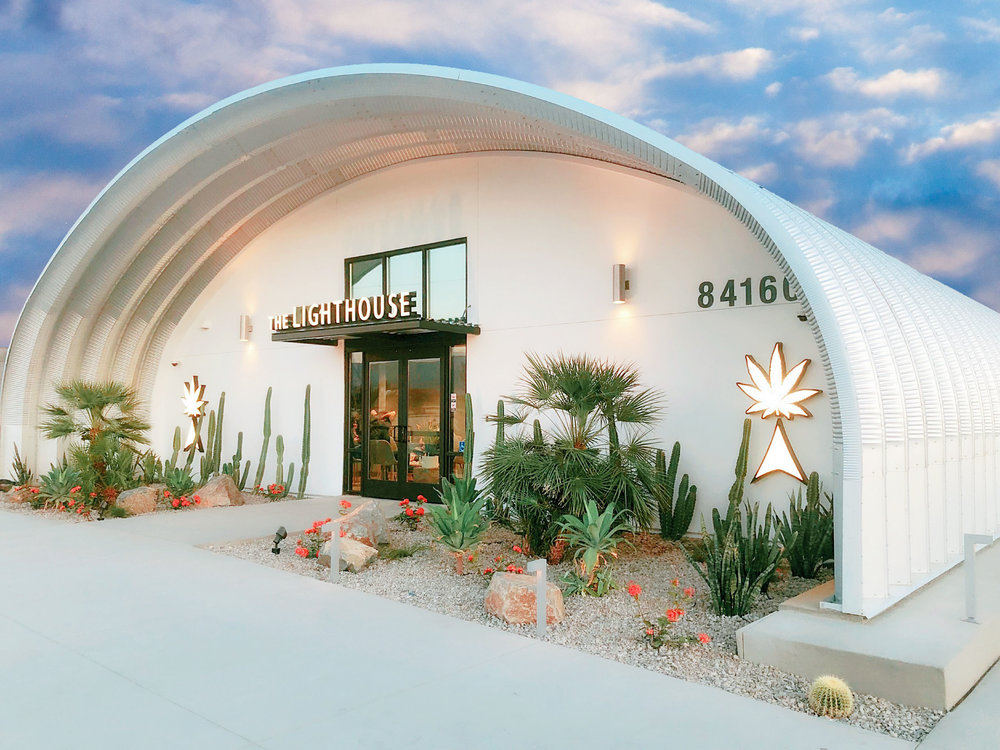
pixel 122 634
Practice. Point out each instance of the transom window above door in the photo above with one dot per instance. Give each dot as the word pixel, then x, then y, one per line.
pixel 437 273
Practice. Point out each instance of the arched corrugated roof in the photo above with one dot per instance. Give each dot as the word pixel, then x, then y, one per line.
pixel 912 366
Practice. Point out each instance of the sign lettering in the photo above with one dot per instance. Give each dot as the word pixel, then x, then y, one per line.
pixel 397 306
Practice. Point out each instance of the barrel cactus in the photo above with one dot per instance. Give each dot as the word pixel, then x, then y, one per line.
pixel 830 696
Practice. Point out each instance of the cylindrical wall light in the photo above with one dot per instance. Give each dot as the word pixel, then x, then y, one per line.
pixel 619 279
pixel 246 328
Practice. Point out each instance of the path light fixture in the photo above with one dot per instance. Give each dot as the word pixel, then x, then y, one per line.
pixel 279 536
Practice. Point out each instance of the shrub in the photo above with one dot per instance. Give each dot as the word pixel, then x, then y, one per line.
pixel 594 540
pixel 312 540
pixel 663 631
pixel 410 515
pixel 830 696
pixel 595 451
pixel 806 532
pixel 741 556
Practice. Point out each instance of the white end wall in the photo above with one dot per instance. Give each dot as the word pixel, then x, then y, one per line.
pixel 543 232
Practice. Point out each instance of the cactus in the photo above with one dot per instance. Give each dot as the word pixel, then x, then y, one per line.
pixel 306 440
pixel 288 484
pixel 279 473
pixel 246 474
pixel 216 446
pixel 830 696
pixel 233 467
pixel 807 530
pixel 207 459
pixel 469 452
pixel 172 463
pixel 675 516
pixel 194 444
pixel 267 439
pixel 537 438
pixel 500 423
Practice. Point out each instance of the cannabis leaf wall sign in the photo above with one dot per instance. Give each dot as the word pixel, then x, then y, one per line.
pixel 194 407
pixel 776 394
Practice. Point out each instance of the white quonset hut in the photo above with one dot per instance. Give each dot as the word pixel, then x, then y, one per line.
pixel 499 212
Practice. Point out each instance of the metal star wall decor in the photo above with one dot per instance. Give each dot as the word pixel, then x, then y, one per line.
pixel 194 407
pixel 776 394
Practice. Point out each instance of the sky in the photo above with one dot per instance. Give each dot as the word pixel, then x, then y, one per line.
pixel 883 120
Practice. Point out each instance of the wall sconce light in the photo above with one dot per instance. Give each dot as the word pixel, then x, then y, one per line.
pixel 246 328
pixel 619 285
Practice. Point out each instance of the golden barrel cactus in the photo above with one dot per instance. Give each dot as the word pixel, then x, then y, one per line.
pixel 830 696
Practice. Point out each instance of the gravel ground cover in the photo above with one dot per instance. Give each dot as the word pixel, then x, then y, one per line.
pixel 608 627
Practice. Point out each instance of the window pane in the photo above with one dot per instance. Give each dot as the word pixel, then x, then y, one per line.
pixel 447 282
pixel 423 404
pixel 406 275
pixel 383 400
pixel 357 378
pixel 366 278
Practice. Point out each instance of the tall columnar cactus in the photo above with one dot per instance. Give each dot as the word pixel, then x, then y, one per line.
pixel 291 476
pixel 267 439
pixel 538 439
pixel 306 440
pixel 279 448
pixel 232 468
pixel 217 444
pixel 194 445
pixel 830 696
pixel 208 459
pixel 676 507
pixel 172 463
pixel 737 488
pixel 469 452
pixel 500 423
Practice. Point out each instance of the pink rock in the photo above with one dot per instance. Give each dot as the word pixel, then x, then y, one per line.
pixel 364 522
pixel 138 501
pixel 220 491
pixel 511 597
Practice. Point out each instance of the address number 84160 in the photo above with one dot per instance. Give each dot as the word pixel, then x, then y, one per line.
pixel 765 290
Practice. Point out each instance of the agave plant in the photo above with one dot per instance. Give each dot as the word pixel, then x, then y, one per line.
pixel 60 484
pixel 459 526
pixel 595 539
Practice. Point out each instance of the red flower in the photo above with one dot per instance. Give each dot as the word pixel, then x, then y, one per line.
pixel 517 549
pixel 185 502
pixel 470 558
pixel 675 582
pixel 176 502
pixel 403 503
pixel 420 511
pixel 519 570
pixel 302 552
pixel 703 637
pixel 326 521
pixel 79 510
pixel 689 591
pixel 197 500
pixel 650 631
pixel 166 493
pixel 409 511
pixel 93 494
pixel 673 615
pixel 487 570
pixel 72 503
pixel 345 504
pixel 421 499
pixel 74 490
pixel 634 589
pixel 510 568
pixel 343 533
pixel 34 490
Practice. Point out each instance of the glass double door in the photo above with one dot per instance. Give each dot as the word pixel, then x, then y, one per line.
pixel 402 435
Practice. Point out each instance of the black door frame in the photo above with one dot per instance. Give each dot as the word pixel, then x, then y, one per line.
pixel 379 349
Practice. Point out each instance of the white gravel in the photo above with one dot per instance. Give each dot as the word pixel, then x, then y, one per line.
pixel 609 626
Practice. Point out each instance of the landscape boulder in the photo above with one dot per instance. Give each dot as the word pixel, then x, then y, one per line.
pixel 220 491
pixel 511 597
pixel 354 555
pixel 364 523
pixel 138 501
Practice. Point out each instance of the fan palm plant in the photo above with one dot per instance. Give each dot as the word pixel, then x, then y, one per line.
pixel 595 448
pixel 105 418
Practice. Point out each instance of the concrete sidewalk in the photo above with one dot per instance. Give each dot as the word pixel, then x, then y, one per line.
pixel 122 634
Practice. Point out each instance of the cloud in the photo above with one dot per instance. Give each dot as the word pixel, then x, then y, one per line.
pixel 959 135
pixel 806 34
pixel 891 226
pixel 927 82
pixel 718 137
pixel 982 29
pixel 990 169
pixel 42 203
pixel 760 173
pixel 773 89
pixel 741 65
pixel 841 140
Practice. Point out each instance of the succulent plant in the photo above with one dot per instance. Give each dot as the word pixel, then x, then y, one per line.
pixel 830 696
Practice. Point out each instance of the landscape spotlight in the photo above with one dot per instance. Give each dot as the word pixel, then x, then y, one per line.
pixel 278 536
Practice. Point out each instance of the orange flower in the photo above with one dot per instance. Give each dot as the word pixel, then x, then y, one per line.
pixel 345 504
pixel 343 533
pixel 93 494
pixel 634 589
pixel 649 631
pixel 703 637
pixel 673 615
pixel 675 582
